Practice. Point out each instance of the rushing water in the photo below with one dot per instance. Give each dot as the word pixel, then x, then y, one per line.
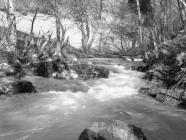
pixel 63 115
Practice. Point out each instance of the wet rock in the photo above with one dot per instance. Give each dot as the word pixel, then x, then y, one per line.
pixel 2 91
pixel 47 68
pixel 152 92
pixel 18 70
pixel 54 75
pixel 148 76
pixel 67 75
pixel 73 74
pixel 171 101
pixel 18 87
pixel 182 103
pixel 101 72
pixel 142 68
pixel 8 88
pixel 4 66
pixel 23 86
pixel 14 69
pixel 161 98
pixel 86 70
pixel 112 130
pixel 42 69
pixel 2 74
pixel 184 96
pixel 132 68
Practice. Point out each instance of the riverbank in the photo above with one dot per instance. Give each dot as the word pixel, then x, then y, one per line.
pixel 165 74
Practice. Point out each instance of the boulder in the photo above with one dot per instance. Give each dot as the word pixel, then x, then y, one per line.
pixel 132 68
pixel 101 72
pixel 18 87
pixel 153 91
pixel 15 69
pixel 112 130
pixel 142 68
pixel 24 86
pixel 182 104
pixel 148 92
pixel 2 91
pixel 161 98
pixel 46 68
pixel 86 70
pixel 63 75
pixel 73 74
pixel 67 75
pixel 4 66
pixel 2 74
pixel 42 69
pixel 148 76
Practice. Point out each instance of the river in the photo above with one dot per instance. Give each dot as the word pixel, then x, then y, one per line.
pixel 63 115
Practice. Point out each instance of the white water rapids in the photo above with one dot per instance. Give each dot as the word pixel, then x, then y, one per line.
pixel 63 115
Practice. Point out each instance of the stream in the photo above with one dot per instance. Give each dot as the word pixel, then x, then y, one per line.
pixel 56 115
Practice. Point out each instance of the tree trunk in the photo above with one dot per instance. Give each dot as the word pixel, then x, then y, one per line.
pixel 57 52
pixel 140 22
pixel 11 19
pixel 121 43
pixel 100 42
pixel 182 9
pixel 134 42
pixel 100 9
pixel 87 40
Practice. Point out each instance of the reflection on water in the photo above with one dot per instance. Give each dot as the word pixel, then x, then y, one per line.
pixel 63 115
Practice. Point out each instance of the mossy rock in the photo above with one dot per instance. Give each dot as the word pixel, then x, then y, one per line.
pixel 112 130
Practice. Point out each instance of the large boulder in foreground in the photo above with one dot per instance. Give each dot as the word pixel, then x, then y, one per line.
pixel 112 130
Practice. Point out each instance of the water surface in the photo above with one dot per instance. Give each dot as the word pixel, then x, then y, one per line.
pixel 63 115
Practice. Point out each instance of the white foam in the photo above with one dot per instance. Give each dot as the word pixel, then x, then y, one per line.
pixel 118 85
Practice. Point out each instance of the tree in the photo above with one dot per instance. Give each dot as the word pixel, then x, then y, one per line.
pixel 60 10
pixel 140 20
pixel 182 12
pixel 11 26
pixel 58 31
pixel 84 13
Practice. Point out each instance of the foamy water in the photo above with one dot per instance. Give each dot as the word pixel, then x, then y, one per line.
pixel 119 85
pixel 63 115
